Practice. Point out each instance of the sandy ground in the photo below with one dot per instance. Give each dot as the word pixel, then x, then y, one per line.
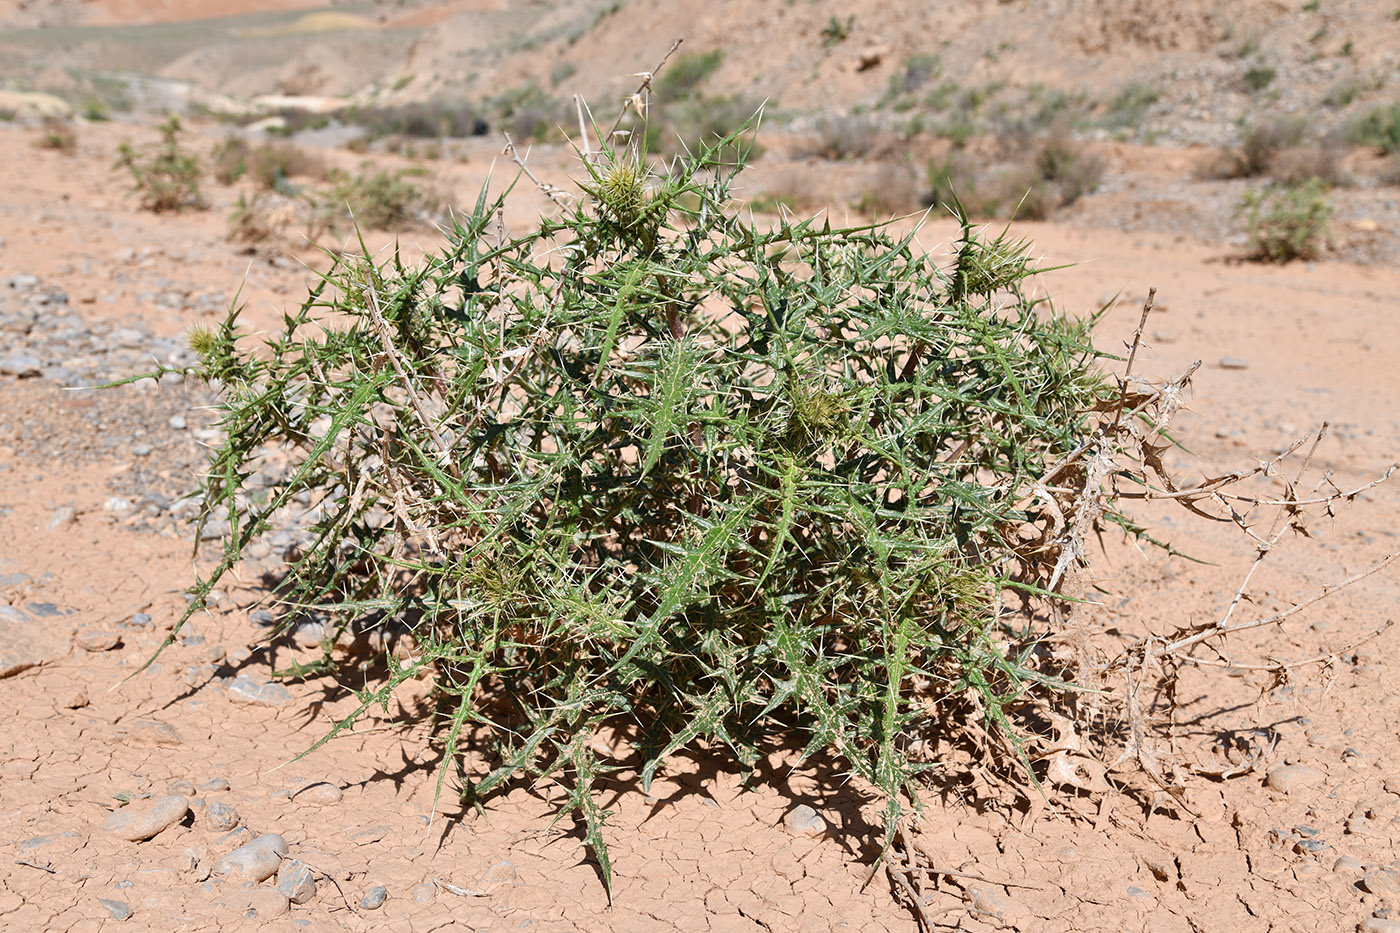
pixel 1307 839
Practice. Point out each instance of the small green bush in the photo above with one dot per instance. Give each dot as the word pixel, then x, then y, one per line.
pixel 381 199
pixel 650 466
pixel 1379 129
pixel 165 176
pixel 836 31
pixel 1287 222
pixel 1258 78
pixel 57 134
pixel 683 77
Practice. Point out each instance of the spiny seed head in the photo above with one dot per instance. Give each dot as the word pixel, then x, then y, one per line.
pixel 623 190
pixel 203 341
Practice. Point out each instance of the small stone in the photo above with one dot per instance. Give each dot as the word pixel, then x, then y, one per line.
pixel 1288 778
pixel 1346 864
pixel 374 898
pixel 214 785
pixel 989 900
pixel 246 690
pixel 309 634
pixel 21 365
pixel 98 640
pixel 256 861
pixel 180 787
pixel 143 820
pixel 296 881
pixel 150 732
pixel 262 618
pixel 1378 925
pixel 1233 362
pixel 220 817
pixel 139 620
pixel 1382 883
pixel 802 820
pixel 1392 786
pixel 232 840
pixel 502 873
pixel 177 422
pixel 319 794
pixel 118 504
pixel 425 892
pixel 1164 336
pixel 59 517
pixel 369 834
pixel 120 910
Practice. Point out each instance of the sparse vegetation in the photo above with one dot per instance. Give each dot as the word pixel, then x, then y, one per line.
pixel 271 165
pixel 1258 77
pixel 1287 222
pixel 1128 108
pixel 1034 177
pixel 381 199
pixel 1380 129
pixel 1260 148
pixel 430 119
pixel 57 134
pixel 165 176
pixel 684 76
pixel 836 31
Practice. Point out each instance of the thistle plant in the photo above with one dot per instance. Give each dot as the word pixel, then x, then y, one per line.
pixel 165 176
pixel 652 466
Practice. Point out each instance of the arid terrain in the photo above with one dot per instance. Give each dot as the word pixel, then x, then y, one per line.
pixel 1284 746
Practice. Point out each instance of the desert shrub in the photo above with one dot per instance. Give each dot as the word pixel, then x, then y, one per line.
pixel 229 159
pixel 650 466
pixel 686 73
pixel 57 134
pixel 94 109
pixel 1129 106
pixel 429 119
pixel 1260 147
pixel 917 71
pixel 846 136
pixel 1035 176
pixel 271 165
pixel 165 176
pixel 1380 129
pixel 1323 161
pixel 894 188
pixel 837 30
pixel 1286 222
pixel 1258 77
pixel 380 199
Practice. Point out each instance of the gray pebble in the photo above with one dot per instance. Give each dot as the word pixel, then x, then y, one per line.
pixel 1346 864
pixel 20 364
pixel 59 517
pixel 262 618
pixel 232 840
pixel 98 640
pixel 250 692
pixel 214 785
pixel 501 873
pixel 1377 925
pixel 309 634
pixel 143 820
pixel 1289 778
pixel 374 898
pixel 220 817
pixel 1233 362
pixel 802 820
pixel 319 794
pixel 425 892
pixel 1383 883
pixel 139 620
pixel 296 881
pixel 178 423
pixel 180 787
pixel 120 910
pixel 256 861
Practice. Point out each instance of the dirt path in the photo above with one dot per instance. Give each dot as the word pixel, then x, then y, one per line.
pixel 94 557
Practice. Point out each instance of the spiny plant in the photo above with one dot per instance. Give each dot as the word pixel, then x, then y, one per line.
pixel 165 176
pixel 652 466
pixel 1287 222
